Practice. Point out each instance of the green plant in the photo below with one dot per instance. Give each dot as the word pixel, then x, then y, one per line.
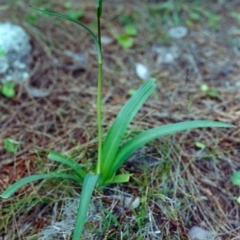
pixel 7 89
pixel 236 181
pixel 184 13
pixel 11 145
pixel 73 13
pixel 210 92
pixel 113 152
pixel 2 52
pixel 200 145
pixel 126 39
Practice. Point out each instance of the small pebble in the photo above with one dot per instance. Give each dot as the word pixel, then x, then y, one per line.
pixel 129 202
pixel 106 40
pixel 142 71
pixel 178 32
pixel 198 233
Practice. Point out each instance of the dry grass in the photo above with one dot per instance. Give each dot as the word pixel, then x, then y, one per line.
pixel 180 185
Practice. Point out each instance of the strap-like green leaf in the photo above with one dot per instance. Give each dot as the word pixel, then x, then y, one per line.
pixel 88 186
pixel 80 24
pixel 54 156
pixel 143 138
pixel 122 178
pixel 22 182
pixel 124 117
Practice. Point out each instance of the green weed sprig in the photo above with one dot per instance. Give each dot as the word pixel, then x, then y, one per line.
pixel 112 153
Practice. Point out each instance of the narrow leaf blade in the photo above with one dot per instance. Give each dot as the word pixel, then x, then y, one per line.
pixel 22 182
pixel 121 178
pixel 143 138
pixel 77 22
pixel 55 156
pixel 124 117
pixel 88 186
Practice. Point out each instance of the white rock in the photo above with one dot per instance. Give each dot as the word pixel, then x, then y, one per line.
pixel 35 92
pixel 178 32
pixel 79 58
pixel 142 71
pixel 3 64
pixel 165 54
pixel 106 40
pixel 198 233
pixel 129 202
pixel 15 49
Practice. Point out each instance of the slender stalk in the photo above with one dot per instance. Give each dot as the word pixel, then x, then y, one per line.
pixel 99 99
pixel 99 117
pixel 99 30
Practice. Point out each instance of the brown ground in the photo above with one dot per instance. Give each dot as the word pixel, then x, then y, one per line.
pixel 67 115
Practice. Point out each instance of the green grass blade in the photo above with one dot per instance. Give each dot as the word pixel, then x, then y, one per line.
pixel 54 156
pixel 143 138
pixel 22 182
pixel 88 186
pixel 124 117
pixel 121 178
pixel 80 24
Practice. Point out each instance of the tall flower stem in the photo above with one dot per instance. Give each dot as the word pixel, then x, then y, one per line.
pixel 99 92
pixel 99 117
